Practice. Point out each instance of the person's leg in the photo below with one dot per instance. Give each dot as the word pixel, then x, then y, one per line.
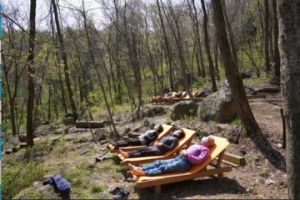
pixel 123 153
pixel 121 143
pixel 134 142
pixel 179 165
pixel 157 164
pixel 147 151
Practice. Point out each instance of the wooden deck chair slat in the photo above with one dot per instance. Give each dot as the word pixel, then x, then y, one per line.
pixel 217 152
pixel 186 140
pixel 167 129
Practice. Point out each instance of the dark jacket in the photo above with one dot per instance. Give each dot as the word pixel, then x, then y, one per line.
pixel 169 143
pixel 149 136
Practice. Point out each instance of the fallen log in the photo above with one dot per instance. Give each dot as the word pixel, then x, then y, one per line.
pixel 256 96
pixel 90 124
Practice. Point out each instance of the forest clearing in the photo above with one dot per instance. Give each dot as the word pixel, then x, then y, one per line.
pixel 73 156
pixel 79 75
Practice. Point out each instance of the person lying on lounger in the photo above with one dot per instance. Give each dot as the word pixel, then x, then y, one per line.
pixel 194 155
pixel 144 139
pixel 169 96
pixel 165 144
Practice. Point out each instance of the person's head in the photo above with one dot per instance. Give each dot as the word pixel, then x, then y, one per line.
pixel 158 128
pixel 207 141
pixel 178 133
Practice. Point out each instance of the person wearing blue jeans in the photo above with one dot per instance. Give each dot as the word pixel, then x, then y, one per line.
pixel 195 154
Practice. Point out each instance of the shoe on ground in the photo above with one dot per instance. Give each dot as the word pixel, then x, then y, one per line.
pixel 114 191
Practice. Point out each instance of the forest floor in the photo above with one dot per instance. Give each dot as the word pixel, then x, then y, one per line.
pixel 260 178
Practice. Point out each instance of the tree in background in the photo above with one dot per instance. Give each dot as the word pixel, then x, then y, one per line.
pixel 31 74
pixel 232 72
pixel 65 60
pixel 289 43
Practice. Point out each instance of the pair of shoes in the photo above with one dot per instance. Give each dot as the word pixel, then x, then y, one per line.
pixel 97 159
pixel 129 179
pixel 114 191
pixel 119 193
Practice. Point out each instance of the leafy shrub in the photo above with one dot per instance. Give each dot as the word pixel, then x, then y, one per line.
pixel 19 176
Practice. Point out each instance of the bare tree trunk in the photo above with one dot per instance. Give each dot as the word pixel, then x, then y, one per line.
pixel 199 54
pixel 232 72
pixel 179 44
pixel 89 42
pixel 168 50
pixel 206 40
pixel 11 95
pixel 49 102
pixel 231 38
pixel 216 52
pixel 289 43
pixel 31 75
pixel 276 48
pixel 65 62
pixel 267 57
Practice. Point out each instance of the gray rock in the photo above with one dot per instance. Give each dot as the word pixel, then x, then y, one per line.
pixel 69 121
pixel 124 130
pixel 22 138
pixel 218 107
pixel 270 181
pixel 158 110
pixel 148 112
pixel 59 131
pixel 47 190
pixel 82 140
pixel 183 109
pixel 100 134
pixel 37 184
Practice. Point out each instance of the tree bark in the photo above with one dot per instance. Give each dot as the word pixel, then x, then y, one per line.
pixel 276 48
pixel 196 30
pixel 289 44
pixel 209 57
pixel 31 75
pixel 65 61
pixel 232 72
pixel 89 42
pixel 168 51
pixel 267 56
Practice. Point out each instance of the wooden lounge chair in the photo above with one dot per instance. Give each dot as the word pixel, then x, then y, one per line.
pixel 167 130
pixel 187 96
pixel 176 99
pixel 160 99
pixel 197 171
pixel 186 140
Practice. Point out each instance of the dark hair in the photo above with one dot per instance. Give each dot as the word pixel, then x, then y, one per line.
pixel 160 128
pixel 180 135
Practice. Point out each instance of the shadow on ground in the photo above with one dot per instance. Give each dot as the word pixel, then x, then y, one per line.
pixel 194 188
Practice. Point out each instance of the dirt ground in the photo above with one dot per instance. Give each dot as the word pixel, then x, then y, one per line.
pixel 261 178
pixel 258 179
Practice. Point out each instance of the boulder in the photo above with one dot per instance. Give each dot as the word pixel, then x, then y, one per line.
pixel 203 93
pixel 59 131
pixel 158 110
pixel 68 121
pixel 218 107
pixel 100 134
pixel 183 109
pixel 22 138
pixel 148 112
